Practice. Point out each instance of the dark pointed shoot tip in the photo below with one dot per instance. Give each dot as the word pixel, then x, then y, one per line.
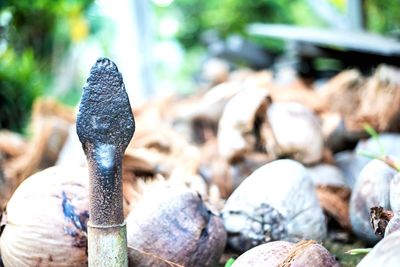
pixel 105 115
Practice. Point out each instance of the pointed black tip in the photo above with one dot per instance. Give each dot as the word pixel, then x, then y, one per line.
pixel 105 114
pixel 106 64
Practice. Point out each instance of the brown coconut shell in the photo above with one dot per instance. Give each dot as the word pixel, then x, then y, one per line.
pixel 285 254
pixel 46 220
pixel 171 226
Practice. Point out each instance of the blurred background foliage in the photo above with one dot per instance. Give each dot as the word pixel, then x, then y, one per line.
pixel 31 33
pixel 35 35
pixel 232 16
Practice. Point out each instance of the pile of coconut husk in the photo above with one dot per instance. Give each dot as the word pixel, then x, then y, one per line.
pixel 22 157
pixel 220 135
pixel 215 139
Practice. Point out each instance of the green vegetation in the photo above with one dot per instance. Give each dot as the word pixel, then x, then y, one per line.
pixel 339 250
pixel 30 31
pixel 382 155
pixel 383 16
pixel 232 16
pixel 35 35
pixel 229 262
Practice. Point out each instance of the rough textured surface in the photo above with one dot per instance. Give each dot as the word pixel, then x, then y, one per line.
pixel 172 224
pixel 297 132
pixel 276 202
pixel 105 125
pixel 286 254
pixel 46 220
pixel 112 238
pixel 105 115
pixel 385 253
pixel 371 190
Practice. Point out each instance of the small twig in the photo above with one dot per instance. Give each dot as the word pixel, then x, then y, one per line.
pixel 375 136
pixel 173 264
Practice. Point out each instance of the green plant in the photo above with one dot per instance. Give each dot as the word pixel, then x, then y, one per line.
pixel 30 31
pixel 359 251
pixel 382 153
pixel 229 262
pixel 233 16
pixel 20 83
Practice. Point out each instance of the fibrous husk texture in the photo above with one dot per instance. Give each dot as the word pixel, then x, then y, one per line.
pixel 49 127
pixel 374 100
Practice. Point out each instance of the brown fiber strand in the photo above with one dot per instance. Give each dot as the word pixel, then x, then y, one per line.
pixel 173 264
pixel 296 250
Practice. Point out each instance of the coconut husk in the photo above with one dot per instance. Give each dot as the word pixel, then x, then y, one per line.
pixel 12 144
pixel 215 70
pixel 336 132
pixel 342 97
pixel 342 92
pixel 379 101
pixel 49 126
pixel 164 153
pixel 374 100
pixel 142 162
pixel 237 129
pixel 197 117
pixel 211 104
pixel 215 168
pixel 157 152
pixel 335 202
pixel 304 96
pixel 296 132
pixel 129 191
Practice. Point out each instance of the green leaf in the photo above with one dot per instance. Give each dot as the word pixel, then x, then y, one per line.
pixel 359 251
pixel 370 130
pixel 374 134
pixel 229 262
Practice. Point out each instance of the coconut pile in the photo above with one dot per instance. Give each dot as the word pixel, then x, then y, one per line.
pixel 249 167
